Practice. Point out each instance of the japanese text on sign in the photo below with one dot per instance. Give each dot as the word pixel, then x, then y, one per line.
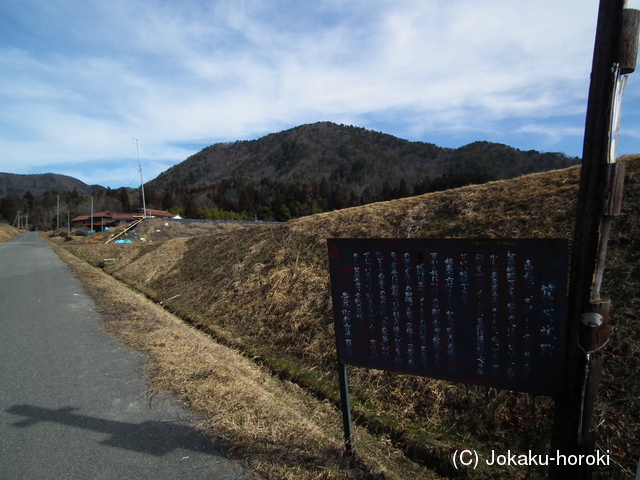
pixel 487 312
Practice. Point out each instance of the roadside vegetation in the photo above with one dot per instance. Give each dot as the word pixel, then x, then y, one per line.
pixel 265 292
pixel 277 429
pixel 7 232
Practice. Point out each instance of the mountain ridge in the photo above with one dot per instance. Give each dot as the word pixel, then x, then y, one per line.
pixel 353 155
pixel 307 169
pixel 17 185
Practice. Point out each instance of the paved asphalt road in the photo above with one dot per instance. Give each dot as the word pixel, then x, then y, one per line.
pixel 72 400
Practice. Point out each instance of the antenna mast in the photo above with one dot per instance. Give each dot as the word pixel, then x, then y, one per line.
pixel 144 206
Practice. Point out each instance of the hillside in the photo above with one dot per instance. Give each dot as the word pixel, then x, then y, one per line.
pixel 351 155
pixel 7 232
pixel 266 292
pixel 16 185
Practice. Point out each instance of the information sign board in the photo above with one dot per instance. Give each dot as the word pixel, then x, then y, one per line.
pixel 485 312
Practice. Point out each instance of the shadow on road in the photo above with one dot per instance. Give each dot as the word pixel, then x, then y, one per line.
pixel 152 437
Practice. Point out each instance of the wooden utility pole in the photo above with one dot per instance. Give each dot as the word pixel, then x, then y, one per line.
pixel 599 199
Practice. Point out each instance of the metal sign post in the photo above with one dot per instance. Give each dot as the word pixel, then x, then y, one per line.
pixel 345 403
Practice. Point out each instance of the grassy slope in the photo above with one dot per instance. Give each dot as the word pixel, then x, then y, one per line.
pixel 266 290
pixel 7 232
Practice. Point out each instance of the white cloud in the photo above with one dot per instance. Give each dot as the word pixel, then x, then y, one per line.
pixel 195 72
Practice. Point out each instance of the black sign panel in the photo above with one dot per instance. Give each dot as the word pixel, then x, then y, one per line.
pixel 485 312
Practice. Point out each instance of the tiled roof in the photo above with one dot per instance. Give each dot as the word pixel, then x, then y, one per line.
pixel 159 213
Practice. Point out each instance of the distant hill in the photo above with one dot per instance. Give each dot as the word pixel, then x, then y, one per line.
pixel 16 185
pixel 350 155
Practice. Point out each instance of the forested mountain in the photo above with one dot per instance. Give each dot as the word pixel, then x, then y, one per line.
pixel 16 185
pixel 305 170
pixel 39 198
pixel 324 166
pixel 352 155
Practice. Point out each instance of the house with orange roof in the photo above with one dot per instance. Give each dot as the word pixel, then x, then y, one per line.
pixel 102 220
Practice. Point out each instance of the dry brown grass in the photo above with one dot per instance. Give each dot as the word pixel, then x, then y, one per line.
pixel 266 291
pixel 533 205
pixel 277 428
pixel 7 232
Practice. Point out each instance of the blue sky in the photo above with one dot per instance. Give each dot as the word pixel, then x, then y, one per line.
pixel 80 79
